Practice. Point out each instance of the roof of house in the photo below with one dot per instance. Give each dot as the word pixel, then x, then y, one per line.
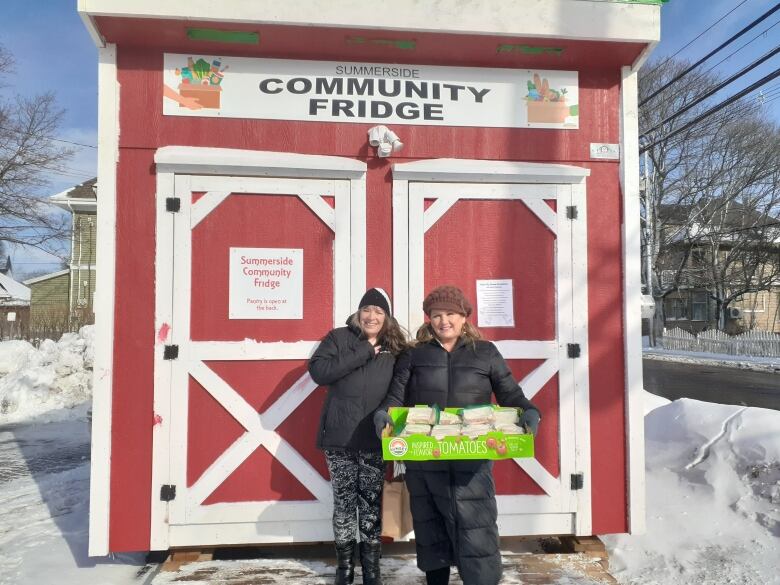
pixel 81 197
pixel 48 276
pixel 12 292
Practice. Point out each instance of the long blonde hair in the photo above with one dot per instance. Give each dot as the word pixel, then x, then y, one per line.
pixel 470 333
pixel 392 337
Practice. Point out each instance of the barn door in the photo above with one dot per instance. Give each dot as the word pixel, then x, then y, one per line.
pixel 235 457
pixel 531 239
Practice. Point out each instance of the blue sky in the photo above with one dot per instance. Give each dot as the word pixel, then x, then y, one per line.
pixel 53 52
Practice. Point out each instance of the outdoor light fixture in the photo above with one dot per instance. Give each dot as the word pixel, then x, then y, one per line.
pixel 384 140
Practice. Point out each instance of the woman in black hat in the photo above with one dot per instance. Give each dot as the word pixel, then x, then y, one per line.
pixel 453 503
pixel 356 364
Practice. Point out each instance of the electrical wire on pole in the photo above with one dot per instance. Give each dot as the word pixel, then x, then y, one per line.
pixel 713 109
pixel 716 88
pixel 730 40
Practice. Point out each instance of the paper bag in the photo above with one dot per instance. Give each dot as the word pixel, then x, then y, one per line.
pixel 396 514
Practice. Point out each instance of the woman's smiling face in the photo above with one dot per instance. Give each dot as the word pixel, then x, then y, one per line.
pixel 447 325
pixel 372 319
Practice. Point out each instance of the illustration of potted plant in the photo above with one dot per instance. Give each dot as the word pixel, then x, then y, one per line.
pixel 547 105
pixel 201 83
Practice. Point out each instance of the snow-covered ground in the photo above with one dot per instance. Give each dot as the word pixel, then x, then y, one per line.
pixel 713 488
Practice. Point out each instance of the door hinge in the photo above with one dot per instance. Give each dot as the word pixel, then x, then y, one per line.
pixel 171 352
pixel 168 493
pixel 577 481
pixel 172 204
pixel 573 349
pixel 571 211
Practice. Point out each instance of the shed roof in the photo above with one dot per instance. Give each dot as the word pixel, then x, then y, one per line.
pixel 631 28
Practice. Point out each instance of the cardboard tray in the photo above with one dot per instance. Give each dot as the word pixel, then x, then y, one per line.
pixel 493 445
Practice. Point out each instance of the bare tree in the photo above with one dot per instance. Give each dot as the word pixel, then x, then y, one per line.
pixel 28 152
pixel 710 192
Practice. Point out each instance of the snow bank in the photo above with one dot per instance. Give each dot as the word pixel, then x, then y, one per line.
pixel 713 498
pixel 54 380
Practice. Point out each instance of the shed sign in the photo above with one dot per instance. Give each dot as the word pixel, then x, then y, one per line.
pixel 334 91
pixel 266 283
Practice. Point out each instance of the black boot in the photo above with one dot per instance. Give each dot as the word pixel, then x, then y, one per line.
pixel 438 576
pixel 370 553
pixel 345 563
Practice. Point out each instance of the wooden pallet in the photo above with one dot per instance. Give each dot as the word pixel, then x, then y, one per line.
pixel 178 557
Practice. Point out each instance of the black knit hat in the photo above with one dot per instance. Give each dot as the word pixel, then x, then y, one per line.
pixel 378 298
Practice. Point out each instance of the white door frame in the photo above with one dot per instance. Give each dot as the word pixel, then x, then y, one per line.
pixel 219 172
pixel 561 511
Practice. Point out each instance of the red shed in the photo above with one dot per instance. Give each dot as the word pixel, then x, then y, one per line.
pixel 244 212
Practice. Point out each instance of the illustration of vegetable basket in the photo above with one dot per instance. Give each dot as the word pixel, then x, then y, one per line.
pixel 546 105
pixel 424 433
pixel 201 82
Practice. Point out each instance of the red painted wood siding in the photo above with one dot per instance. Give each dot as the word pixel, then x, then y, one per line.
pixel 144 129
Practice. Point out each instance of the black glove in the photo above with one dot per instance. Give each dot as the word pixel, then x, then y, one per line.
pixel 529 420
pixel 381 420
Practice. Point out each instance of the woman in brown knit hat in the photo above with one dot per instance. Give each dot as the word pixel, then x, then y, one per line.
pixel 453 502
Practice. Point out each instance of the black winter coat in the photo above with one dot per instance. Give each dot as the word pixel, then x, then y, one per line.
pixel 453 502
pixel 357 383
pixel 429 374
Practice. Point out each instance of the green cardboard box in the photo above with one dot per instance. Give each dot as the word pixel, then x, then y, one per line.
pixel 493 445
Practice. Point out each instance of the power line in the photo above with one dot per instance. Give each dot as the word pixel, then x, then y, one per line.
pixel 730 55
pixel 714 109
pixel 49 138
pixel 709 28
pixel 717 88
pixel 731 39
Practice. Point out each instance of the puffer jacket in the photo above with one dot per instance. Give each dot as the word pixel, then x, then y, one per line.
pixel 453 502
pixel 357 382
pixel 468 375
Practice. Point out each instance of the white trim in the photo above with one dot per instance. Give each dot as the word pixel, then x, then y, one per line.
pixel 163 369
pixel 455 170
pixel 46 277
pixel 410 198
pixel 179 393
pixel 342 254
pixel 321 208
pixel 554 19
pixel 108 156
pixel 401 252
pixel 531 350
pixel 436 211
pixel 90 24
pixel 205 205
pixel 581 366
pixel 632 302
pixel 249 349
pixel 74 204
pixel 537 524
pixel 261 185
pixel 173 275
pixel 256 163
pixel 357 202
pixel 254 532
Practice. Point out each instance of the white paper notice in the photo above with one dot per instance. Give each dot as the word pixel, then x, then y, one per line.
pixel 266 283
pixel 494 303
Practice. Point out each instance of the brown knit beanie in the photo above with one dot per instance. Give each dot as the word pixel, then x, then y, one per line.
pixel 447 298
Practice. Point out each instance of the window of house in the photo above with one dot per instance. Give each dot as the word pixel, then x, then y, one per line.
pixel 699 306
pixel 676 309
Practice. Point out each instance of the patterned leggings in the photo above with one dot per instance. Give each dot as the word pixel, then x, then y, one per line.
pixel 357 478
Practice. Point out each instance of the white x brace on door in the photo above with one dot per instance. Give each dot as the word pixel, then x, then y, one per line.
pixel 179 515
pixel 423 193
